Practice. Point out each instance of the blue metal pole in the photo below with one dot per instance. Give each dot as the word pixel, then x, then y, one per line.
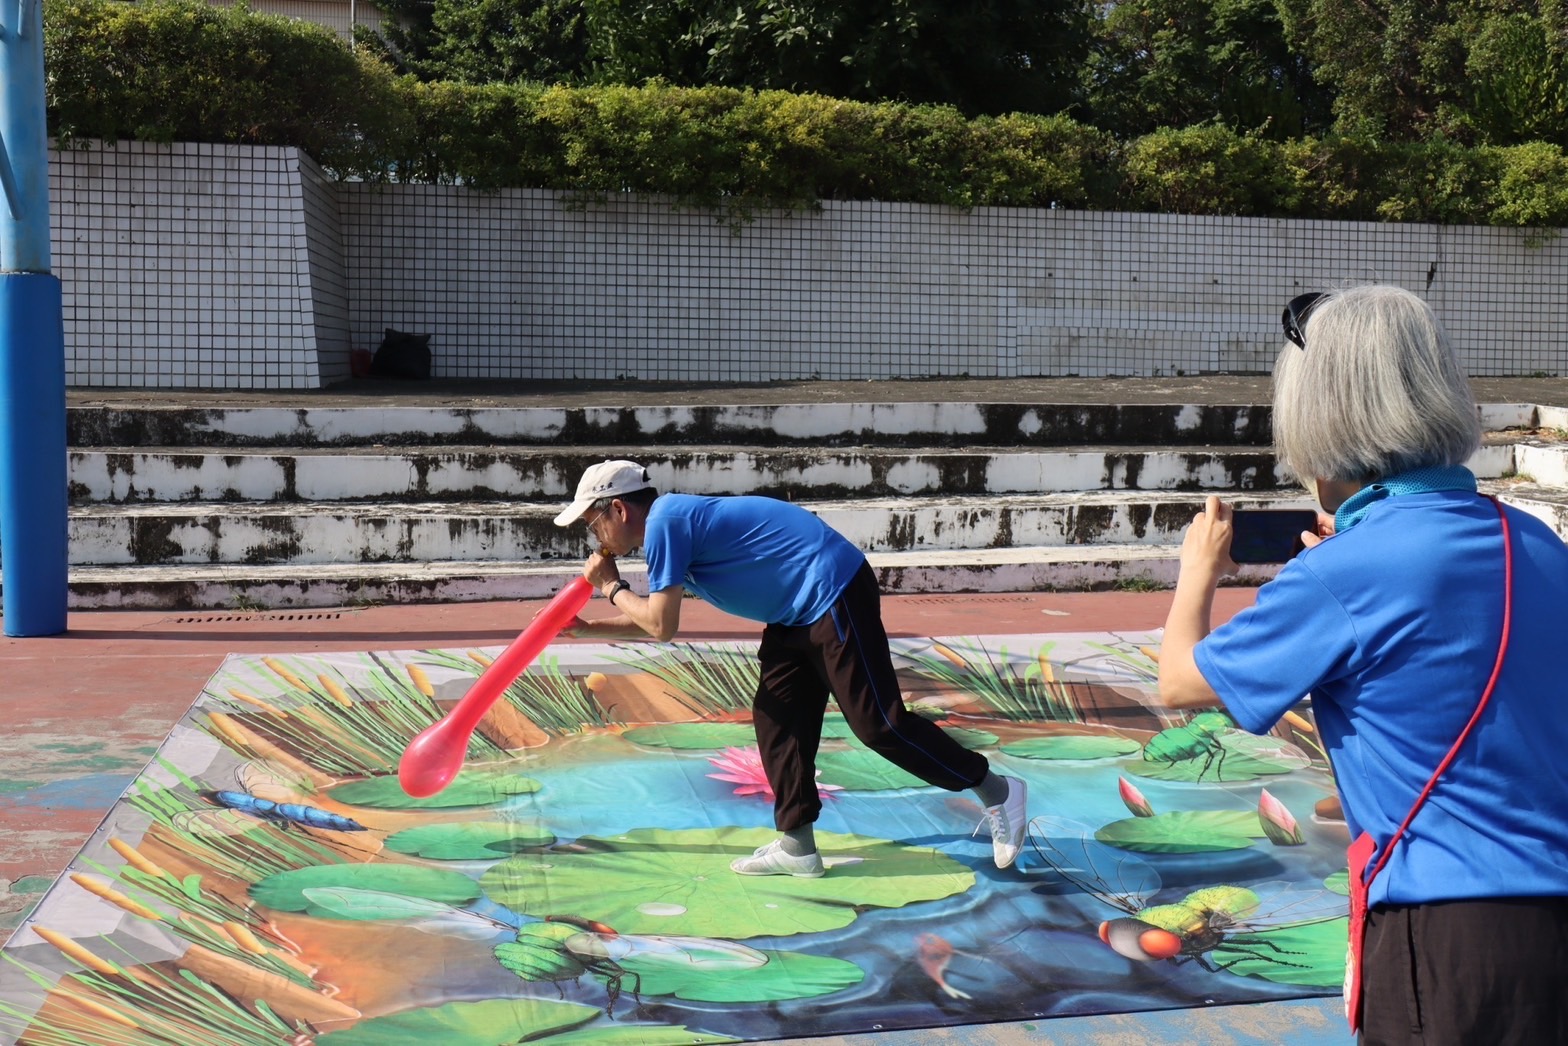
pixel 34 549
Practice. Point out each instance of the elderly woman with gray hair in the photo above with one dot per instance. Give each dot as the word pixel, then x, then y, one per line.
pixel 1426 623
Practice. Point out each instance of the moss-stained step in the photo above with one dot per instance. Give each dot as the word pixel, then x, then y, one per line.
pixel 795 424
pixel 378 532
pixel 799 474
pixel 776 424
pixel 255 587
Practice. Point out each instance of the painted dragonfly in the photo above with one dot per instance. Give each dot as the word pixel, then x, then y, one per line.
pixel 254 778
pixel 600 950
pixel 1188 928
pixel 557 948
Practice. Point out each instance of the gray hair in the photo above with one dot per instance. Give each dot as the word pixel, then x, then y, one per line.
pixel 1377 391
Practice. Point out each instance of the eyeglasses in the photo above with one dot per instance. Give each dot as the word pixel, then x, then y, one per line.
pixel 593 524
pixel 1295 316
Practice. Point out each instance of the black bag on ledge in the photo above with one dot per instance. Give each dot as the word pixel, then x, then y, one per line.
pixel 402 356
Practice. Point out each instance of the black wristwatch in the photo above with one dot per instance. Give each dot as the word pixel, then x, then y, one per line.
pixel 616 589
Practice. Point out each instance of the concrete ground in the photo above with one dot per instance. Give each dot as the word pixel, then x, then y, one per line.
pixel 86 710
pixel 475 392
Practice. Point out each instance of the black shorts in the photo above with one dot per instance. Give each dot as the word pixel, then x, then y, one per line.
pixel 1491 972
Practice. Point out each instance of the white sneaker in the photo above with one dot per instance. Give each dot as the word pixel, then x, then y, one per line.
pixel 1007 822
pixel 772 860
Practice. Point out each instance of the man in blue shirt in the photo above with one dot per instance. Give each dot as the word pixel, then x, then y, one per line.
pixel 771 561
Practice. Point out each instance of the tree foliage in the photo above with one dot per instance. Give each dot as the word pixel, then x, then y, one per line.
pixel 992 57
pixel 1477 71
pixel 1517 69
pixel 1482 148
pixel 485 41
pixel 1177 63
pixel 177 70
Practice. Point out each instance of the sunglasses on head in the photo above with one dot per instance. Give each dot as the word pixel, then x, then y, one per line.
pixel 1295 316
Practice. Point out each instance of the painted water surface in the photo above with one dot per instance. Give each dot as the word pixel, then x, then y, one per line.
pixel 266 881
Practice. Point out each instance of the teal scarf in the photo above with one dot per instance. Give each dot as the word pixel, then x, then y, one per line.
pixel 1416 481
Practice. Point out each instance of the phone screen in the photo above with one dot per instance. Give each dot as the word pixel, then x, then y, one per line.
pixel 1269 535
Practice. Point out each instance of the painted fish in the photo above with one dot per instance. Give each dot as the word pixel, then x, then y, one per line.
pixel 933 953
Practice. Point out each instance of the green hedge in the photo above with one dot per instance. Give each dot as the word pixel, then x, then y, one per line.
pixel 178 70
pixel 165 72
pixel 738 151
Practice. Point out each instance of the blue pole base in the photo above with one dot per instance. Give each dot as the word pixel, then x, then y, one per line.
pixel 34 499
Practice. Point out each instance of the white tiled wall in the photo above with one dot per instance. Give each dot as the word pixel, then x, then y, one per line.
pixel 258 271
pixel 325 283
pixel 183 266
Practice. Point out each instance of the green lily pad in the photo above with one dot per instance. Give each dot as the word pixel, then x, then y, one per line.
pixel 835 727
pixel 359 905
pixel 1234 767
pixel 786 975
pixel 678 882
pixel 1310 954
pixel 468 840
pixel 971 738
pixel 496 1022
pixel 633 1035
pixel 1072 746
pixel 693 736
pixel 466 789
pixel 1339 882
pixel 862 770
pixel 284 892
pixel 966 736
pixel 1184 832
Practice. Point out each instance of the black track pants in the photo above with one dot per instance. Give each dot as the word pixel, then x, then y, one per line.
pixel 844 653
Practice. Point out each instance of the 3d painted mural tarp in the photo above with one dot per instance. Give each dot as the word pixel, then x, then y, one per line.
pixel 265 880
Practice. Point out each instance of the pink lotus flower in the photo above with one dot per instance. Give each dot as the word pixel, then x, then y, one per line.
pixel 1134 799
pixel 1278 824
pixel 743 767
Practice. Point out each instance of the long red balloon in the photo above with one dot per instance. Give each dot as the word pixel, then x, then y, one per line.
pixel 433 758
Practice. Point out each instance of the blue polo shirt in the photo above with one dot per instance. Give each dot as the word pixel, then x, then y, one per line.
pixel 754 557
pixel 1393 628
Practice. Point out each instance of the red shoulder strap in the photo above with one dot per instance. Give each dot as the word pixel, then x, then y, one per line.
pixel 1486 695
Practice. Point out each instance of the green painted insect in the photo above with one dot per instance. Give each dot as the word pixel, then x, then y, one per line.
pixel 1198 750
pixel 563 948
pixel 1197 738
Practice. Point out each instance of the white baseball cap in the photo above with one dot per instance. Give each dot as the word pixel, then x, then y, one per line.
pixel 608 479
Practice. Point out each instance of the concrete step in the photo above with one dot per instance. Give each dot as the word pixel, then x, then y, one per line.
pixel 1547 503
pixel 799 474
pixel 798 424
pixel 928 423
pixel 277 586
pixel 377 532
pixel 1542 460
pixel 380 532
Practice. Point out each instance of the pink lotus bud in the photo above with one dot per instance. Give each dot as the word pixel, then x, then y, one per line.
pixel 1278 824
pixel 1134 799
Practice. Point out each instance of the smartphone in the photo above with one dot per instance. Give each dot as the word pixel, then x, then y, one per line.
pixel 1269 535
